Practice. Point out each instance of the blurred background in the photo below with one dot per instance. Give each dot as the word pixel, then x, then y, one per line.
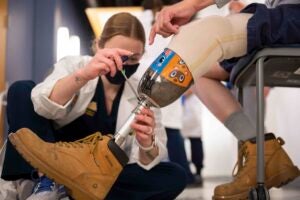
pixel 34 34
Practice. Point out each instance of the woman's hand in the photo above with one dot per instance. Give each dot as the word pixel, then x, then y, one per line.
pixel 107 60
pixel 143 126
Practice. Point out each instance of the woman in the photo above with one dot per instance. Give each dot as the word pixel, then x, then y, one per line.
pixel 87 94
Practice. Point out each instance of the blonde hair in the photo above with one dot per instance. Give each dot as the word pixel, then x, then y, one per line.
pixel 123 24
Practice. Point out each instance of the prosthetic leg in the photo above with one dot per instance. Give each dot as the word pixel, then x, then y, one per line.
pixel 204 42
pixel 190 54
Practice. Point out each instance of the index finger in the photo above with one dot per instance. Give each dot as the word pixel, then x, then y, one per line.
pixel 152 35
pixel 124 52
pixel 118 59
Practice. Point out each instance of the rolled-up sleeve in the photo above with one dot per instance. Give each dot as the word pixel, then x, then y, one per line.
pixel 40 94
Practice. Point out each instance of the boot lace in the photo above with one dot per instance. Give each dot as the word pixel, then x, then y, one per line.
pixel 91 139
pixel 241 162
pixel 243 158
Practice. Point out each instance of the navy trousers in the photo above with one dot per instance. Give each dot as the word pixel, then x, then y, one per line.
pixel 197 153
pixel 20 114
pixel 164 181
pixel 177 152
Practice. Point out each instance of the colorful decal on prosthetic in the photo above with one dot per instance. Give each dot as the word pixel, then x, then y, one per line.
pixel 171 67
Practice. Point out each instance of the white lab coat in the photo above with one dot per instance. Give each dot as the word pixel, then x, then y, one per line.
pixel 192 117
pixel 63 115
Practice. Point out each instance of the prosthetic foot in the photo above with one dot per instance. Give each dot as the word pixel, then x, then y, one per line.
pixel 279 170
pixel 87 167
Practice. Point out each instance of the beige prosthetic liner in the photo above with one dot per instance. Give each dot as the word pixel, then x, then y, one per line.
pixel 206 41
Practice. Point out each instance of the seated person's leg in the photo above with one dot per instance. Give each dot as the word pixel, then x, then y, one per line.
pixel 204 42
pixel 220 101
pixel 216 97
pixel 165 181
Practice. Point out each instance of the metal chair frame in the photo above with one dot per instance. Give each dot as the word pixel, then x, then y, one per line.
pixel 265 68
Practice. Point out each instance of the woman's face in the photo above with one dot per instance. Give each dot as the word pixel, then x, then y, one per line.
pixel 127 43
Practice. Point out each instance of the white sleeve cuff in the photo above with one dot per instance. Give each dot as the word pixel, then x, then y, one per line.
pixel 46 107
pixel 162 155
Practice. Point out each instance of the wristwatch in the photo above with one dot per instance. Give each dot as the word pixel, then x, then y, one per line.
pixel 146 149
pixel 221 3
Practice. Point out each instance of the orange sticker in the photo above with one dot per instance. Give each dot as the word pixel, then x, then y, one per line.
pixel 177 72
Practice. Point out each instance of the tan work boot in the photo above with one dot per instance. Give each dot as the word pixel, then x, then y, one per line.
pixel 279 170
pixel 87 167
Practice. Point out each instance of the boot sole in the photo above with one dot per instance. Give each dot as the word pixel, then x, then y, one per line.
pixel 283 178
pixel 74 189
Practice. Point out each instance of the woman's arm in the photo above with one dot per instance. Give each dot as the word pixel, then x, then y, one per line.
pixel 105 61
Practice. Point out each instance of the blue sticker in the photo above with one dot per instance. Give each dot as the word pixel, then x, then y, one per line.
pixel 162 61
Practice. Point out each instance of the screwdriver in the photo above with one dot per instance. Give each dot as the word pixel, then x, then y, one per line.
pixel 124 59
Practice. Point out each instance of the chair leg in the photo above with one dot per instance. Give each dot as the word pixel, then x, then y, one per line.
pixel 260 120
pixel 240 98
pixel 260 192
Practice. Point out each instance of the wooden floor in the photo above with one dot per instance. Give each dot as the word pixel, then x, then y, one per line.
pixel 288 192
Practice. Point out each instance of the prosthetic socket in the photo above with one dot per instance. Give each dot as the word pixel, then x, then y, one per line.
pixel 167 78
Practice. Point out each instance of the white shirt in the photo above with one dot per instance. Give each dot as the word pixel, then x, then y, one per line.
pixel 62 115
pixel 192 117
